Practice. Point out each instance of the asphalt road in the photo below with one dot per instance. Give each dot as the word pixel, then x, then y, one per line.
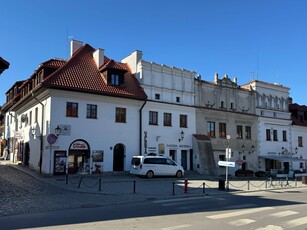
pixel 286 209
pixel 30 203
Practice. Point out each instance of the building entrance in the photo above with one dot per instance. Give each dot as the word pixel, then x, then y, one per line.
pixel 79 157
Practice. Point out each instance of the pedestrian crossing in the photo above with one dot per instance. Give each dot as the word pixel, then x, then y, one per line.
pixel 249 216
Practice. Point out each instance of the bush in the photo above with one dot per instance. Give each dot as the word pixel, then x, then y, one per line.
pixel 244 173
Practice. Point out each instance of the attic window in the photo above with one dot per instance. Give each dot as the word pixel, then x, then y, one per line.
pixel 115 78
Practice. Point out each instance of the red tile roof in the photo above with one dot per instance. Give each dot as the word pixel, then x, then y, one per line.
pixel 294 109
pixel 80 73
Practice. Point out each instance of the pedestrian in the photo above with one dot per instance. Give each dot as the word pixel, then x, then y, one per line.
pixel 5 153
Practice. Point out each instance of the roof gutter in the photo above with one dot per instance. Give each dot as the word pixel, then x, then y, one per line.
pixel 141 126
pixel 42 131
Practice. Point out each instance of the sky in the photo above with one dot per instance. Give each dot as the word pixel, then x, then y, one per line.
pixel 249 39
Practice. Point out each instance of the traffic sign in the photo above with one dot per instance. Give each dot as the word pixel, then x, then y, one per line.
pixel 227 163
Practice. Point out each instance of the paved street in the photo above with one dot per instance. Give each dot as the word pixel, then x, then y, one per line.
pixel 49 201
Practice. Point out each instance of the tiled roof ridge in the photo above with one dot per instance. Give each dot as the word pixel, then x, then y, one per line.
pixel 46 80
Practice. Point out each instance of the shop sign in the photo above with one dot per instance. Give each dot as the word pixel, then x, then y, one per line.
pixel 185 146
pixel 65 130
pixel 171 145
pixel 18 135
pixel 79 145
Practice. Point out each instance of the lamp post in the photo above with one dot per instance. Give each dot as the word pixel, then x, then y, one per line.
pixel 145 142
pixel 181 136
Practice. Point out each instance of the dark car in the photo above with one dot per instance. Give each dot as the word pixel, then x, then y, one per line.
pixel 244 173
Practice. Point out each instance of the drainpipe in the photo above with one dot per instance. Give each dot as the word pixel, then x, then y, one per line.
pixel 41 136
pixel 141 126
pixel 13 139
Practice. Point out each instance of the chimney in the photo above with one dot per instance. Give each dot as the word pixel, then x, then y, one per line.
pixel 216 77
pixel 235 80
pixel 99 57
pixel 74 46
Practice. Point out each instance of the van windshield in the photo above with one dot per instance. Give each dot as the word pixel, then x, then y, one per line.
pixel 136 161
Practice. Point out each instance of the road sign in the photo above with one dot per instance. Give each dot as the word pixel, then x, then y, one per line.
pixel 227 163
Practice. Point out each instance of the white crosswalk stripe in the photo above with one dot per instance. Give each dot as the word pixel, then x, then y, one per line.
pixel 283 214
pixel 241 222
pixel 296 222
pixel 239 213
pixel 270 227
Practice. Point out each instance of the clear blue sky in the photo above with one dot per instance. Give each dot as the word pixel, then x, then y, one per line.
pixel 233 37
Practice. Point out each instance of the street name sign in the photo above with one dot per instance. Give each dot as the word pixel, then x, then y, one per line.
pixel 227 163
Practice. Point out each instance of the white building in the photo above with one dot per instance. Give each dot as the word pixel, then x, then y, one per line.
pixel 299 135
pixel 91 101
pixel 275 144
pixel 168 116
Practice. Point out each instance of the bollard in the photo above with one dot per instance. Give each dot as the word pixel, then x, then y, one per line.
pixel 80 182
pixel 266 184
pixel 295 182
pixel 186 186
pixel 66 178
pixel 271 181
pixel 173 188
pixel 204 188
pixel 248 185
pixel 99 184
pixel 134 185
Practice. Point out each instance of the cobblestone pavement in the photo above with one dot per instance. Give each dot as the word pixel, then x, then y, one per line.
pixel 21 193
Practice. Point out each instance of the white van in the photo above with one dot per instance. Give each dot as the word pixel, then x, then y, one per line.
pixel 151 166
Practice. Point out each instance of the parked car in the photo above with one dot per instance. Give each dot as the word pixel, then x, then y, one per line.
pixel 151 166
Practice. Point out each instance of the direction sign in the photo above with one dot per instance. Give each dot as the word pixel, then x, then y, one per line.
pixel 227 163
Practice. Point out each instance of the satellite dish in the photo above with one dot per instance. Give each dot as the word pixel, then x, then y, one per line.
pixel 24 118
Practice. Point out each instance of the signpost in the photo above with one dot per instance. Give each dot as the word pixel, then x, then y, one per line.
pixel 227 163
pixel 228 156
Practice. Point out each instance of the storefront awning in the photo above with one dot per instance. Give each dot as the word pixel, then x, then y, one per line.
pixel 283 158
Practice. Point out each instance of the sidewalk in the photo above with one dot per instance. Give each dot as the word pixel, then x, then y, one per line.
pixel 126 185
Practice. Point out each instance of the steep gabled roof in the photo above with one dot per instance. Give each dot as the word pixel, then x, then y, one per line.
pixel 80 73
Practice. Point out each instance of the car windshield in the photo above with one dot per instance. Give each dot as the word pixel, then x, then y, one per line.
pixel 136 161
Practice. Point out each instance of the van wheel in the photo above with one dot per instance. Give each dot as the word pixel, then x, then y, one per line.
pixel 150 174
pixel 179 174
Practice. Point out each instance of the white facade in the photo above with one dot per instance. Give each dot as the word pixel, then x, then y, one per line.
pixel 169 90
pixel 101 134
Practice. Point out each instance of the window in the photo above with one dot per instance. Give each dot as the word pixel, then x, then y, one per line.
pixel 275 135
pixel 222 130
pixel 183 121
pixel 120 115
pixel 91 111
pixel 153 118
pixel 248 132
pixel 231 105
pixel 284 135
pixel 211 129
pixel 300 141
pixel 167 119
pixel 157 96
pixel 239 131
pixel 268 134
pixel 71 109
pixel 178 99
pixel 114 79
pixel 36 115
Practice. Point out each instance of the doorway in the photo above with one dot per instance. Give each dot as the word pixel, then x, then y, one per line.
pixel 118 157
pixel 79 157
pixel 184 159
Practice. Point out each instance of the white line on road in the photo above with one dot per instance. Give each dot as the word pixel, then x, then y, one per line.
pixel 239 213
pixel 270 227
pixel 241 222
pixel 177 227
pixel 181 199
pixel 296 222
pixel 283 214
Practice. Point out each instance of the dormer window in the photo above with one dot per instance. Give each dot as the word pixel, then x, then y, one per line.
pixel 114 79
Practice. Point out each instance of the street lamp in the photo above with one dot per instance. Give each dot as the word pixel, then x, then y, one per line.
pixel 181 136
pixel 243 148
pixel 57 131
